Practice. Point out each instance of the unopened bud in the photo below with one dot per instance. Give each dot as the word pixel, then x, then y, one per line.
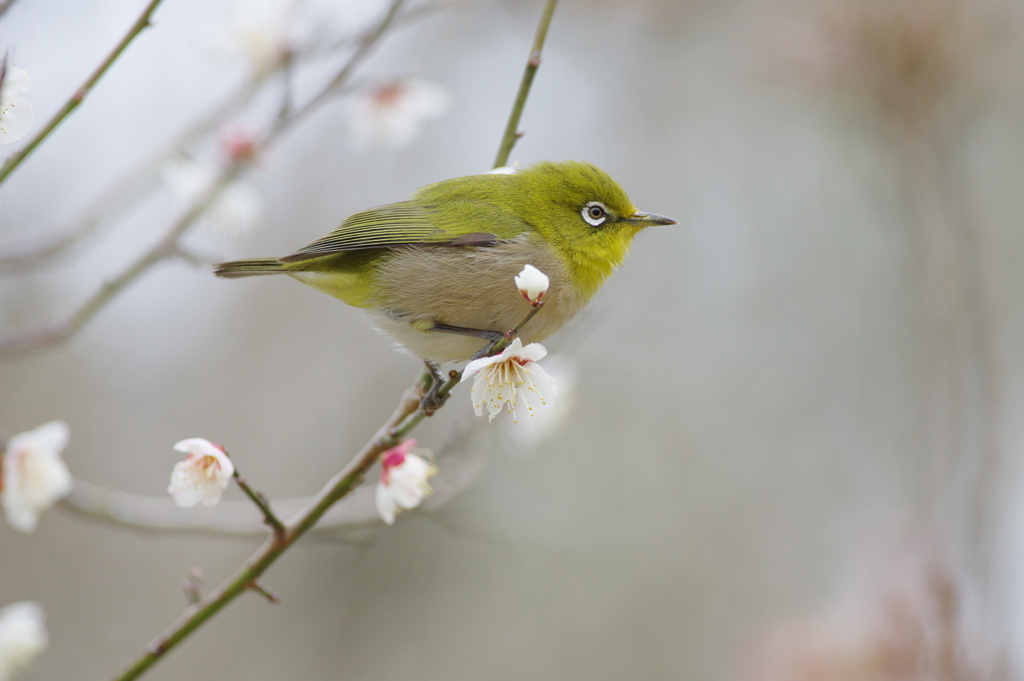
pixel 533 284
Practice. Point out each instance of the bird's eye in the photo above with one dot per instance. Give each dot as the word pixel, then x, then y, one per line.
pixel 594 213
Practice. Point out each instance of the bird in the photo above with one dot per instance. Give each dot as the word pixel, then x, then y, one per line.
pixel 435 272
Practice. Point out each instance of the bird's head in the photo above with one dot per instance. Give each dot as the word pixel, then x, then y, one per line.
pixel 580 210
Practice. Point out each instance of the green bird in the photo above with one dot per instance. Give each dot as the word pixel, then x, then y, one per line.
pixel 436 272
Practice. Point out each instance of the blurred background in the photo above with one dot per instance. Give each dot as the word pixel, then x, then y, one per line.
pixel 790 448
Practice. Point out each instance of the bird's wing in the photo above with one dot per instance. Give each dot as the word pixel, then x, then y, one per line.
pixel 397 224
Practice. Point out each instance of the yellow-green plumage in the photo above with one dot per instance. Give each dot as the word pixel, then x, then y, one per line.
pixel 449 254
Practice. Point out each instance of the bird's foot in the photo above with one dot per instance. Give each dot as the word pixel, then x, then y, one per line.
pixel 433 399
pixel 488 349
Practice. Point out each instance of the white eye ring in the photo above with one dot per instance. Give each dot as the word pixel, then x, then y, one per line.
pixel 594 213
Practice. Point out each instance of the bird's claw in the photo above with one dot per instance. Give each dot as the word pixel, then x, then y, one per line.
pixel 432 399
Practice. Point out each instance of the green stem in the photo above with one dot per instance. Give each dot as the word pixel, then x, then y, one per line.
pixel 142 22
pixel 134 185
pixel 269 517
pixel 402 421
pixel 532 64
pixel 168 247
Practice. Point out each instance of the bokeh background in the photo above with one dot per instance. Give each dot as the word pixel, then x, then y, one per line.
pixel 792 444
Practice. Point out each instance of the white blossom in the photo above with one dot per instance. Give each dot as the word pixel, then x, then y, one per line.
pixel 23 636
pixel 203 475
pixel 34 476
pixel 403 481
pixel 258 31
pixel 532 283
pixel 238 208
pixel 16 113
pixel 523 437
pixel 504 170
pixel 390 115
pixel 511 376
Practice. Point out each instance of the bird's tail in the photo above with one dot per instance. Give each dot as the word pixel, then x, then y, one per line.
pixel 249 268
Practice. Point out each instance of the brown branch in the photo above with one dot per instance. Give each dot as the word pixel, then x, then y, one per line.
pixel 6 5
pixel 80 94
pixel 55 333
pixel 406 417
pixel 512 133
pixel 126 192
pixel 262 503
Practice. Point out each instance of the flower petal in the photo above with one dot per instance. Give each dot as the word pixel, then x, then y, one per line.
pixel 512 376
pixel 202 476
pixel 17 115
pixel 51 436
pixel 23 636
pixel 16 82
pixel 386 506
pixel 34 475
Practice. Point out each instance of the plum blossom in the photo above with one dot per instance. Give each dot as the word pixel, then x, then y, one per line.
pixel 258 31
pixel 390 115
pixel 504 170
pixel 511 376
pixel 533 284
pixel 239 144
pixel 523 437
pixel 23 636
pixel 203 475
pixel 34 476
pixel 403 481
pixel 16 113
pixel 238 208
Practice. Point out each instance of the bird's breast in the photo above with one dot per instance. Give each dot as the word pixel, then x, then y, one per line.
pixel 470 287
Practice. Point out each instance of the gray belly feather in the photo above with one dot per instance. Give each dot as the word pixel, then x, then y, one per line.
pixel 468 287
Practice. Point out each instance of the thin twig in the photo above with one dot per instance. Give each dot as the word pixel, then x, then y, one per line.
pixel 141 23
pixel 261 502
pixel 126 192
pixel 59 332
pixel 394 429
pixel 165 248
pixel 6 5
pixel 263 591
pixel 236 520
pixel 366 45
pixel 17 258
pixel 3 70
pixel 408 17
pixel 192 585
pixel 532 64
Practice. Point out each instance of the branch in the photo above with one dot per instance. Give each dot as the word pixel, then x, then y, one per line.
pixel 261 503
pixel 126 192
pixel 366 45
pixel 5 5
pixel 59 332
pixel 165 248
pixel 403 420
pixel 142 22
pixel 235 519
pixel 532 64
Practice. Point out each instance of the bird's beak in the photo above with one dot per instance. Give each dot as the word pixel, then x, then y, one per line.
pixel 641 219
